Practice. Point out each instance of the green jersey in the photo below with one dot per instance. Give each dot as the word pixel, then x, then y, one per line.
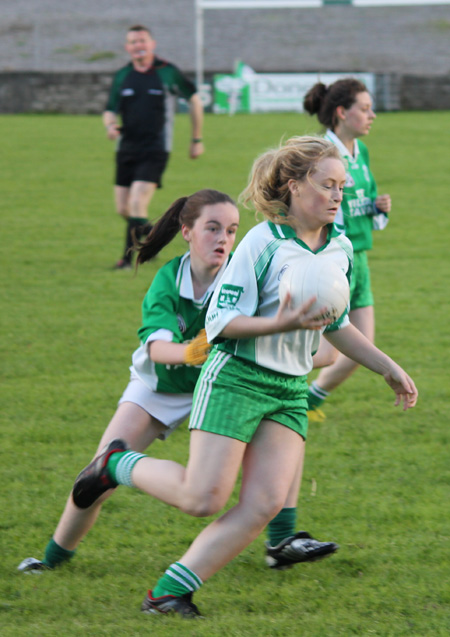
pixel 171 313
pixel 358 212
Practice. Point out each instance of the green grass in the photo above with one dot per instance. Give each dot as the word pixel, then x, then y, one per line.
pixel 376 479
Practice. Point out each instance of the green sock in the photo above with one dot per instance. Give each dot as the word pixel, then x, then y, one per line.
pixel 178 580
pixel 120 465
pixel 282 526
pixel 316 395
pixel 55 554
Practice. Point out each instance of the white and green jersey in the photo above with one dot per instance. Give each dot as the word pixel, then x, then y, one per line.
pixel 249 287
pixel 358 215
pixel 171 313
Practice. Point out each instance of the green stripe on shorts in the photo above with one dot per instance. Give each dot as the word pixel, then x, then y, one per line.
pixel 232 396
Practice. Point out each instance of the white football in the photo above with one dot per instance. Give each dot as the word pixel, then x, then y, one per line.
pixel 320 277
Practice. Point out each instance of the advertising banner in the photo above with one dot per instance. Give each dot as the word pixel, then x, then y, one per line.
pixel 248 92
pixel 231 94
pixel 286 91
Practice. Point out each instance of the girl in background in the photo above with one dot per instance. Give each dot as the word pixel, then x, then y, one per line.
pixel 345 109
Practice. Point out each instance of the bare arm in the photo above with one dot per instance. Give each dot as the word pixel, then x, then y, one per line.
pixel 110 122
pixel 351 342
pixel 193 352
pixel 167 353
pixel 196 112
pixel 326 354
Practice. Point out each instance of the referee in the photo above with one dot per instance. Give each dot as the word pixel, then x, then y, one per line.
pixel 143 95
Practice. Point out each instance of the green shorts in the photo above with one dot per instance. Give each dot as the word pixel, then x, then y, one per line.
pixel 232 396
pixel 360 288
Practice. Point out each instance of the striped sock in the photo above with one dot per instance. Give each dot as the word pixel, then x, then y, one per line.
pixel 120 465
pixel 178 580
pixel 282 526
pixel 316 395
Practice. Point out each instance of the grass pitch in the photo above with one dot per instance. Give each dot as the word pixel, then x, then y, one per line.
pixel 376 479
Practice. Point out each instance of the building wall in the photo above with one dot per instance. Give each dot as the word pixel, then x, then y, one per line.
pixel 80 93
pixel 59 57
pixel 81 35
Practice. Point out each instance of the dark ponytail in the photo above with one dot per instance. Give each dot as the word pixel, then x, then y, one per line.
pixel 162 232
pixel 323 101
pixel 314 98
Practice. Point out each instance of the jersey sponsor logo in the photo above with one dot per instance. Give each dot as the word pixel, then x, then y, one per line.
pixel 154 91
pixel 361 206
pixel 229 296
pixel 127 91
pixel 211 317
pixel 181 323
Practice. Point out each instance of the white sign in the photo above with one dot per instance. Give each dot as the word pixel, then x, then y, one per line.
pixel 286 91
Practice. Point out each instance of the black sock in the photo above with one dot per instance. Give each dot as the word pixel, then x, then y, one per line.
pixel 135 230
pixel 143 229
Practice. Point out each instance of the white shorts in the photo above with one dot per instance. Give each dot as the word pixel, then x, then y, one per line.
pixel 170 409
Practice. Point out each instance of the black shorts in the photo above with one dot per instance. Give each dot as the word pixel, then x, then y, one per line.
pixel 140 167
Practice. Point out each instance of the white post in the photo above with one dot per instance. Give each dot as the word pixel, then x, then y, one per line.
pixel 199 71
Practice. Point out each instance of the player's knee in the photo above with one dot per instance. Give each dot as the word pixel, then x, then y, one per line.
pixel 264 509
pixel 268 510
pixel 204 504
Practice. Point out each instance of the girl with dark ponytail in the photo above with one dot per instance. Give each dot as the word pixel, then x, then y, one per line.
pixel 173 347
pixel 183 212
